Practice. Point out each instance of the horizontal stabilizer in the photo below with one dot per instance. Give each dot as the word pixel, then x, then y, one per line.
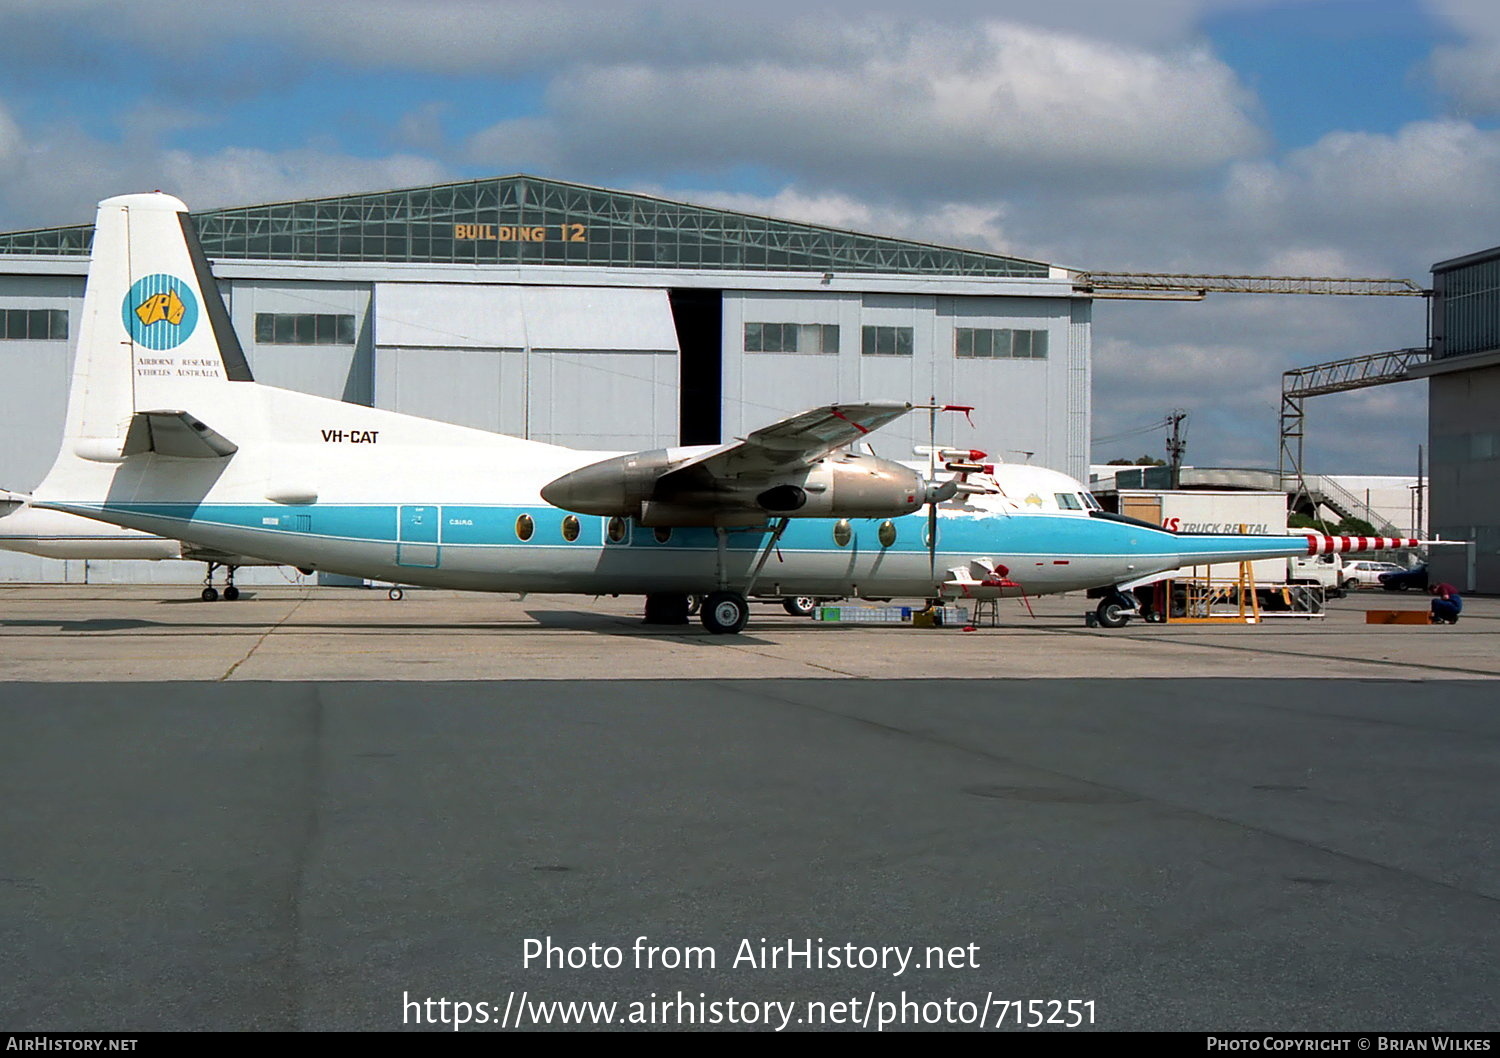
pixel 175 433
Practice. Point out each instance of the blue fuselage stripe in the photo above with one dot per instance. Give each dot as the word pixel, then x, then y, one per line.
pixel 492 526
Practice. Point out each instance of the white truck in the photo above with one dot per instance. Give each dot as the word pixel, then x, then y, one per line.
pixel 1233 511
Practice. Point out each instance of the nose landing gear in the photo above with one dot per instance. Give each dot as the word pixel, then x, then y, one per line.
pixel 1115 611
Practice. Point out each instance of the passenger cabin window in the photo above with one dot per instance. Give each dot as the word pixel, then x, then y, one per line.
pixel 570 528
pixel 306 328
pixel 791 338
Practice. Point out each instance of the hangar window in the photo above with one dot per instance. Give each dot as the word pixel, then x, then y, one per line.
pixel 791 338
pixel 34 324
pixel 985 343
pixel 303 328
pixel 886 341
pixel 570 528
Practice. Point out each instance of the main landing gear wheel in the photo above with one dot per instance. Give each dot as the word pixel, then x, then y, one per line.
pixel 231 593
pixel 1113 612
pixel 800 605
pixel 725 612
pixel 209 594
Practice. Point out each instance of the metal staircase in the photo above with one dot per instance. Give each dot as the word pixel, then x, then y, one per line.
pixel 1345 504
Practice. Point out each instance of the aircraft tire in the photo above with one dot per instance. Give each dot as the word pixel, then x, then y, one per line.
pixel 1112 613
pixel 725 612
pixel 231 593
pixel 395 594
pixel 800 605
pixel 209 595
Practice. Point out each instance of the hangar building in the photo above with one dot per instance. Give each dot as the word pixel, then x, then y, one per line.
pixel 1463 393
pixel 586 317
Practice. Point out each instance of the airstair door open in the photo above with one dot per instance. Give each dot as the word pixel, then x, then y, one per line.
pixel 417 542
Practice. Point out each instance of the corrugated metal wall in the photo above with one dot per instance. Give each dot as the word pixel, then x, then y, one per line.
pixel 599 364
pixel 1036 406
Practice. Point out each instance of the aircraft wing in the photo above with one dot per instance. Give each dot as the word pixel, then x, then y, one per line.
pixel 772 471
pixel 793 442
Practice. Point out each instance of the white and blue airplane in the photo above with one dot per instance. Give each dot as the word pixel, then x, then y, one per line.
pixel 167 434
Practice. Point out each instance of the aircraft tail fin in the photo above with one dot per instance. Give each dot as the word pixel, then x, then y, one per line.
pixel 154 331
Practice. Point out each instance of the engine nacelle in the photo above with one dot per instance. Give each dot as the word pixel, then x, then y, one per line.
pixel 848 485
pixel 615 486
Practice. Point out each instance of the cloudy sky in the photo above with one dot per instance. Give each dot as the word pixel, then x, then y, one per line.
pixel 1325 137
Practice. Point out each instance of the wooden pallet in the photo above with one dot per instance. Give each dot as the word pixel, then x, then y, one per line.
pixel 1397 617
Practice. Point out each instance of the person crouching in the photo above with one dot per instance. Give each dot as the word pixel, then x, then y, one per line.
pixel 1447 604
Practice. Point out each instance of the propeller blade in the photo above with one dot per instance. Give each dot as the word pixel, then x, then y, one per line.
pixel 932 537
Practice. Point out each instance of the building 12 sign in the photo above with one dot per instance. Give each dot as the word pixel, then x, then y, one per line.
pixel 521 232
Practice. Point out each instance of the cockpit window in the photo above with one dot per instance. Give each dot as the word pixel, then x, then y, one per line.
pixel 1068 502
pixel 1091 503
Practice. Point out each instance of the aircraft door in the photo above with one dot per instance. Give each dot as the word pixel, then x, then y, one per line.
pixel 417 542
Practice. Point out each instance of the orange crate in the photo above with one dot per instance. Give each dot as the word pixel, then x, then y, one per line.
pixel 1396 617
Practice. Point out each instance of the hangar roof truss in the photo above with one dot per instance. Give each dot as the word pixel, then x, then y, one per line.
pixel 514 220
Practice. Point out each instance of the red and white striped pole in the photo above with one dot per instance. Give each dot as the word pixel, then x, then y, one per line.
pixel 1340 545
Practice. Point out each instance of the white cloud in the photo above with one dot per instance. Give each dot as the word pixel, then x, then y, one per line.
pixel 1469 71
pixel 244 176
pixel 939 110
pixel 1411 197
pixel 519 36
pixel 60 177
pixel 973 225
pixel 11 143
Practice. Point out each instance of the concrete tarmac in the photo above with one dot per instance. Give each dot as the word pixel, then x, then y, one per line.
pixel 156 633
pixel 204 825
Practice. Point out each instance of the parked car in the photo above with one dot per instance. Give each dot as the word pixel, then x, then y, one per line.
pixel 1366 574
pixel 1405 579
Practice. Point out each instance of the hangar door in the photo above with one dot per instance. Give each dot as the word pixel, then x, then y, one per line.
pixel 589 367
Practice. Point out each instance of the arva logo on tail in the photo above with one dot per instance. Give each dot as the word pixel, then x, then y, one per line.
pixel 160 311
